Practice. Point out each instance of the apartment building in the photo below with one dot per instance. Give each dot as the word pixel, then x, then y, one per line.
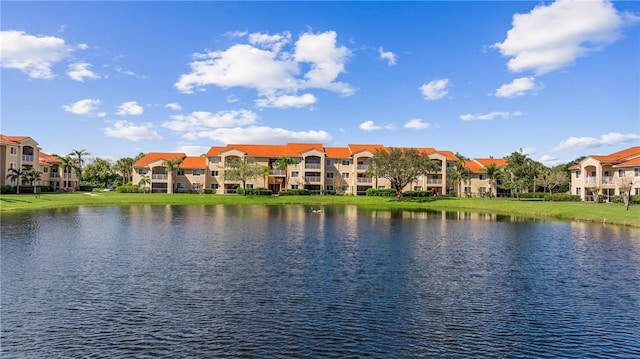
pixel 604 173
pixel 479 184
pixel 18 152
pixel 319 169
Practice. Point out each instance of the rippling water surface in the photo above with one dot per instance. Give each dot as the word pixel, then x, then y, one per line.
pixel 276 281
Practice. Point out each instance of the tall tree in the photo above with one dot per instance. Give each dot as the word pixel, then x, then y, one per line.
pixel 125 167
pixel 459 173
pixel 625 184
pixel 15 174
pixel 32 175
pixel 266 171
pixel 171 166
pixel 68 164
pixel 400 166
pixel 242 170
pixel 554 177
pixel 492 171
pixel 517 174
pixel 283 163
pixel 144 181
pixel 79 161
pixel 99 173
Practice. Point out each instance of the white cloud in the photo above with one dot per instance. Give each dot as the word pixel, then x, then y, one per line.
pixel 490 116
pixel 132 131
pixel 33 55
pixel 388 56
pixel 173 106
pixel 83 107
pixel 435 89
pixel 130 108
pixel 192 150
pixel 550 161
pixel 259 134
pixel 371 126
pixel 265 66
pixel 287 101
pixel 80 71
pixel 611 138
pixel 528 151
pixel 417 124
pixel 202 120
pixel 553 36
pixel 517 87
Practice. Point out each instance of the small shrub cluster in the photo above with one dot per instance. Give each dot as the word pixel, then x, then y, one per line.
pixel 417 194
pixel 380 192
pixel 635 199
pixel 208 191
pixel 255 191
pixel 129 188
pixel 24 189
pixel 533 195
pixel 295 192
pixel 562 197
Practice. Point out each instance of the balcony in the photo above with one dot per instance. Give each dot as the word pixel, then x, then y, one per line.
pixel 607 180
pixel 312 179
pixel 365 180
pixel 27 158
pixel 278 173
pixel 315 166
pixel 434 181
pixel 160 176
pixel 362 167
pixel 590 180
pixel 54 175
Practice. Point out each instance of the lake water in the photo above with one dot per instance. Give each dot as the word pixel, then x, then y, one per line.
pixel 281 281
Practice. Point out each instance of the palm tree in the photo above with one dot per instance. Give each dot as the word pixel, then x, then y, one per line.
pixel 16 174
pixel 125 167
pixel 79 161
pixel 171 166
pixel 144 181
pixel 460 172
pixel 67 164
pixel 492 171
pixel 283 164
pixel 32 175
pixel 266 171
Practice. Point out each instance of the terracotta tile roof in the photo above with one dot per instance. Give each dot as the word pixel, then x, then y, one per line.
pixel 354 148
pixel 12 139
pixel 194 162
pixel 337 152
pixel 425 150
pixel 258 150
pixel 632 162
pixel 618 156
pixel 47 158
pixel 295 149
pixel 576 167
pixel 449 155
pixel 499 162
pixel 157 156
pixel 215 150
pixel 473 166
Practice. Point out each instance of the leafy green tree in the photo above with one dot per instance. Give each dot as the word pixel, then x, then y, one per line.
pixel 15 174
pixel 400 166
pixel 266 171
pixel 283 163
pixel 79 161
pixel 99 173
pixel 144 182
pixel 518 173
pixel 124 166
pixel 553 178
pixel 538 170
pixel 492 171
pixel 32 175
pixel 242 170
pixel 625 184
pixel 68 164
pixel 460 173
pixel 171 166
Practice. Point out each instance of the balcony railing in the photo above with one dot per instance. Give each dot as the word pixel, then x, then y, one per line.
pixel 365 180
pixel 590 180
pixel 279 172
pixel 313 179
pixel 607 180
pixel 54 175
pixel 362 167
pixel 159 176
pixel 27 158
pixel 434 181
pixel 312 165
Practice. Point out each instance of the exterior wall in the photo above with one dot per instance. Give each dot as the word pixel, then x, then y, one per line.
pixel 602 177
pixel 18 154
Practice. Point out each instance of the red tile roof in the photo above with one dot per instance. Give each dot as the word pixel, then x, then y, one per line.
pixel 157 156
pixel 337 152
pixel 295 149
pixel 632 162
pixel 618 156
pixel 194 162
pixel 47 158
pixel 499 162
pixel 215 150
pixel 12 139
pixel 257 150
pixel 450 156
pixel 354 148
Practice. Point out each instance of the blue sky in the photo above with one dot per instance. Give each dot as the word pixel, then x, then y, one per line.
pixel 555 79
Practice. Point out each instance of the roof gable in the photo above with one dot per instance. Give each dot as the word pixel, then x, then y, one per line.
pixel 194 162
pixel 157 156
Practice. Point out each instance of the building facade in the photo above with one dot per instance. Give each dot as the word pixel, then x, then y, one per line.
pixel 479 184
pixel 605 174
pixel 314 167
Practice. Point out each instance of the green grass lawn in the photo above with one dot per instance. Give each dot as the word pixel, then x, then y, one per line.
pixel 611 213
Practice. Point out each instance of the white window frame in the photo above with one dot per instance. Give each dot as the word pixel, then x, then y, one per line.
pixel 345 175
pixel 295 173
pixel 330 174
pixel 346 162
pixel 196 172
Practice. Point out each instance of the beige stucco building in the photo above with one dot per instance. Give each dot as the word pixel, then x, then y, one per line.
pixel 605 173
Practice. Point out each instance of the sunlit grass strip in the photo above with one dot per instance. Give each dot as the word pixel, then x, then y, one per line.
pixel 609 213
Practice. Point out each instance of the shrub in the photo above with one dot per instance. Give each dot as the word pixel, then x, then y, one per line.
pixel 295 192
pixel 381 192
pixel 538 195
pixel 417 194
pixel 128 188
pixel 616 199
pixel 208 191
pixel 635 199
pixel 255 191
pixel 562 197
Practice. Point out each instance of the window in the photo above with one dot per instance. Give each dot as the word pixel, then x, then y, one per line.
pixel 382 187
pixel 197 172
pixel 294 186
pixel 214 159
pixel 621 173
pixel 214 173
pixel 215 186
pixel 467 190
pixel 578 191
pixel 13 151
pixel 481 177
pixel 180 172
pixel 329 188
pixel 636 172
pixel 637 191
pixel 345 188
pixel 13 165
pixel 345 174
pixel 578 174
pixel 417 188
pixel 295 173
pixel 195 186
pixel 330 162
pixel 180 186
pixel 482 190
pixel 419 177
pixel 143 171
pixel 329 174
pixel 346 162
pixel 45 170
pixel 249 185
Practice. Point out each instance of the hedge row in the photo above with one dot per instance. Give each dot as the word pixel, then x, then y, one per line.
pixel 380 192
pixel 295 192
pixel 562 197
pixel 255 191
